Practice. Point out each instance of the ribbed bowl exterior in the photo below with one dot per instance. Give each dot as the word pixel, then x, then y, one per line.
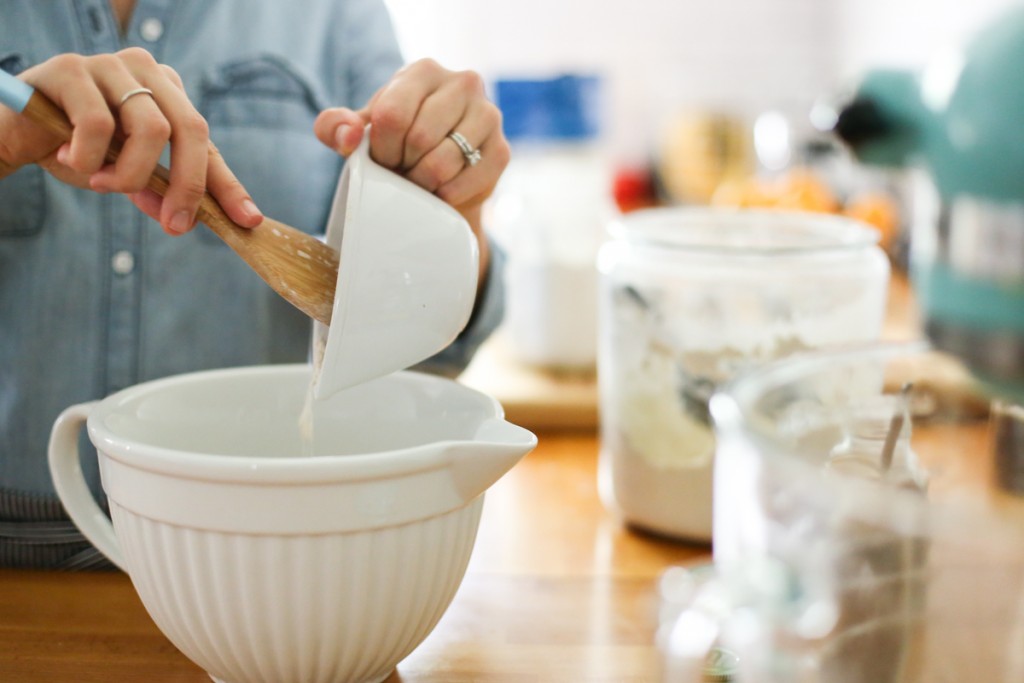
pixel 325 608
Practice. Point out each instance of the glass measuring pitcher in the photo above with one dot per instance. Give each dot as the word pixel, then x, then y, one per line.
pixel 861 533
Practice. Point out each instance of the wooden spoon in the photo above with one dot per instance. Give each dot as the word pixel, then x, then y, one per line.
pixel 296 265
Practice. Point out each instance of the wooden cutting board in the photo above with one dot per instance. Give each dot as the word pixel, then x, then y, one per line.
pixel 534 398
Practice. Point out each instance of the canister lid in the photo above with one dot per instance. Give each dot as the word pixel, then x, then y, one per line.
pixel 563 108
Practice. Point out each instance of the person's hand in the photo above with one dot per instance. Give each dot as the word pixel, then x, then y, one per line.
pixel 89 90
pixel 411 118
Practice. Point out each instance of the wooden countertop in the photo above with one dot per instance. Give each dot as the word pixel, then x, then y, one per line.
pixel 557 590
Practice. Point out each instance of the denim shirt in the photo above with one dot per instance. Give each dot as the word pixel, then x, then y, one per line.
pixel 94 297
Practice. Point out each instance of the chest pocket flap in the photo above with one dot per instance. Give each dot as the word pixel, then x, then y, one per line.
pixel 261 113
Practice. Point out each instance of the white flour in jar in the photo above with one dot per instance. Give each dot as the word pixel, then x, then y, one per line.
pixel 658 438
pixel 660 454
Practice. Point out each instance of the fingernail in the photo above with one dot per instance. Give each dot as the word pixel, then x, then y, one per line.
pixel 181 222
pixel 340 136
pixel 250 209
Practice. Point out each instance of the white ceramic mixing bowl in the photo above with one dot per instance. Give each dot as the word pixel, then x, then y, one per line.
pixel 265 566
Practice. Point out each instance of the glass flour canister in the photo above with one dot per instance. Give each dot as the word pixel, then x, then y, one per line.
pixel 689 297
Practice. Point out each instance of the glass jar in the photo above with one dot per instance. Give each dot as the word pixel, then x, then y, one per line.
pixel 690 296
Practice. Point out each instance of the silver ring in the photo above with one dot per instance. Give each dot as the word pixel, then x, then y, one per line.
pixel 471 155
pixel 132 93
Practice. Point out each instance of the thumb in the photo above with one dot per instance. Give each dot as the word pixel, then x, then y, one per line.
pixel 340 128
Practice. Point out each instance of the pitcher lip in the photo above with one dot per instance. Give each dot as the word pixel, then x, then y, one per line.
pixel 273 470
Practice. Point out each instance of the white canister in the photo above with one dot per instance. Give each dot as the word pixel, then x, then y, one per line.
pixel 549 214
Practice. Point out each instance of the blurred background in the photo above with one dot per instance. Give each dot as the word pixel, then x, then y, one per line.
pixel 656 56
pixel 613 106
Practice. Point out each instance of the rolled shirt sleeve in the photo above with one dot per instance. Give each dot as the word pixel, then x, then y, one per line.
pixel 487 315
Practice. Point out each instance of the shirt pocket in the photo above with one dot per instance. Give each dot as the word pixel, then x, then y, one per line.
pixel 22 206
pixel 261 113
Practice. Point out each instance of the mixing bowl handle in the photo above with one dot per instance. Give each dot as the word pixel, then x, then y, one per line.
pixel 74 493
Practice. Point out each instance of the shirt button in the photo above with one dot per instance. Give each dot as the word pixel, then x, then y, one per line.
pixel 151 29
pixel 123 262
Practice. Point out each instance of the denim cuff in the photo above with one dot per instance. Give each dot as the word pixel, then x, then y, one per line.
pixel 487 315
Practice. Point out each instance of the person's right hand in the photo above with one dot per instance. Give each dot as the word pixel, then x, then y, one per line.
pixel 89 90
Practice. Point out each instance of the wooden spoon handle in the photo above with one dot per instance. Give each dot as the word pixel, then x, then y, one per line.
pixel 42 110
pixel 296 265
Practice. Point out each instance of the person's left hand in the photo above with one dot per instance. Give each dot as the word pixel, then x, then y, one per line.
pixel 411 118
